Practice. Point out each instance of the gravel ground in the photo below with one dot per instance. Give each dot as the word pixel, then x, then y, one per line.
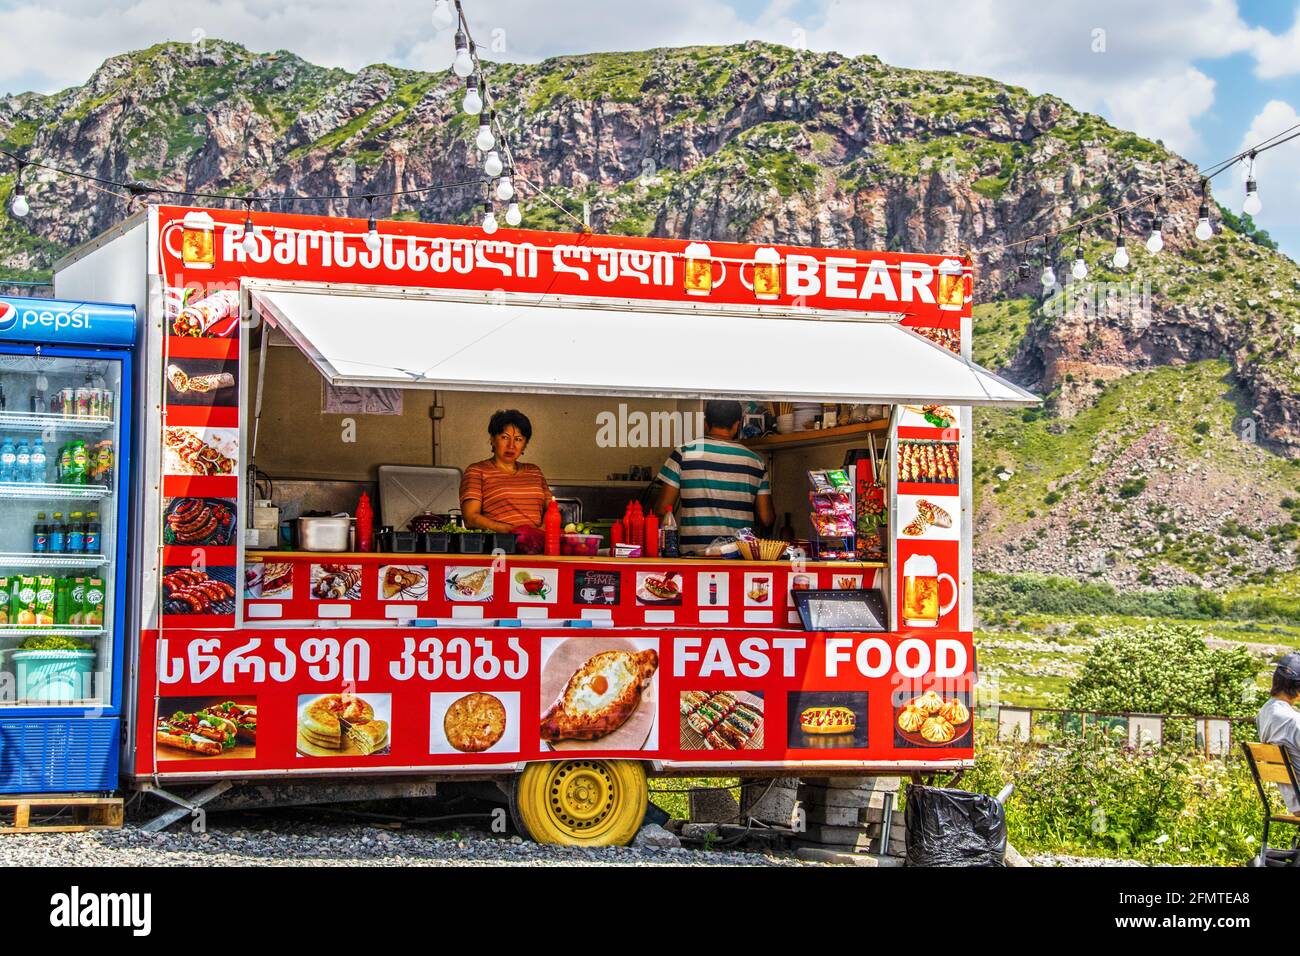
pixel 1090 861
pixel 245 840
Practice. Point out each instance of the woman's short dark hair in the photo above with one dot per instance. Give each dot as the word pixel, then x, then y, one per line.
pixel 503 419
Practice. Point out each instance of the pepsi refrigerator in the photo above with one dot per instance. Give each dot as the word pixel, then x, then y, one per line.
pixel 65 427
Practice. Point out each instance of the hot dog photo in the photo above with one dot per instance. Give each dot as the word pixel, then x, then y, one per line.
pixel 221 728
pixel 827 720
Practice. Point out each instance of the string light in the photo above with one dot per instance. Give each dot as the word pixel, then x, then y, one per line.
pixel 1025 269
pixel 1120 259
pixel 1204 230
pixel 1048 278
pixel 249 242
pixel 1080 268
pixel 1156 242
pixel 443 17
pixel 19 207
pixel 513 216
pixel 373 241
pixel 505 188
pixel 463 64
pixel 485 140
pixel 489 218
pixel 1252 205
pixel 473 101
pixel 493 165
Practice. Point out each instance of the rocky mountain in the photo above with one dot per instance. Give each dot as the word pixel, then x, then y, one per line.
pixel 1171 385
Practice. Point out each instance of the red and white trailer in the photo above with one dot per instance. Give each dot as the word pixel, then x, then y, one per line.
pixel 438 665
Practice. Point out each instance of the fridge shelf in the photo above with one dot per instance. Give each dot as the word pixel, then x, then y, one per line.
pixel 15 490
pixel 40 422
pixel 62 630
pixel 34 560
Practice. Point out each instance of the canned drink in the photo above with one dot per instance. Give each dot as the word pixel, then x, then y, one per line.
pixel 82 399
pixel 96 402
pixel 108 403
pixel 68 402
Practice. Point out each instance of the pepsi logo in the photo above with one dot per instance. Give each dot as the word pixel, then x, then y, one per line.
pixel 8 316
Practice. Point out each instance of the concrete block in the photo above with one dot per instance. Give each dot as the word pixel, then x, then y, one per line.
pixel 854 837
pixel 819 854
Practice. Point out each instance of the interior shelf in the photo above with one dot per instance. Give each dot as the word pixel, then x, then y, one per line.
pixel 63 630
pixel 817 436
pixel 79 492
pixel 35 560
pixel 41 422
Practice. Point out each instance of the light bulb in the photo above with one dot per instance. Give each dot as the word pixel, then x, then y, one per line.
pixel 1156 242
pixel 513 216
pixel 443 17
pixel 1252 205
pixel 19 206
pixel 1080 269
pixel 1120 261
pixel 473 102
pixel 484 140
pixel 463 64
pixel 1203 229
pixel 493 165
pixel 249 242
pixel 372 235
pixel 489 221
pixel 505 188
pixel 1049 276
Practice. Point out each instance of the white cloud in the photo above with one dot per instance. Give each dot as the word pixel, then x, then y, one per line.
pixel 1279 189
pixel 1277 55
pixel 1164 108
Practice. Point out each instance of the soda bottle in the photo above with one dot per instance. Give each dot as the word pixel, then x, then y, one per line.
pixel 92 533
pixel 75 542
pixel 38 462
pixel 58 534
pixel 40 535
pixel 77 470
pixel 23 463
pixel 8 460
pixel 669 537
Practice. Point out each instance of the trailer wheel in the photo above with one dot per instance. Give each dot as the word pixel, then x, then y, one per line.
pixel 580 802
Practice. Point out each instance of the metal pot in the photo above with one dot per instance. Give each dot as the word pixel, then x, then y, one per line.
pixel 323 534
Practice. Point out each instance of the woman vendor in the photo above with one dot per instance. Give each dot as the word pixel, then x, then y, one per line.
pixel 501 493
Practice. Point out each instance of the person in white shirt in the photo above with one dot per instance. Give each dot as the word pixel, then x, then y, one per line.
pixel 1278 722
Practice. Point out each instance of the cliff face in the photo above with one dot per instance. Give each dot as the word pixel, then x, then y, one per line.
pixel 751 142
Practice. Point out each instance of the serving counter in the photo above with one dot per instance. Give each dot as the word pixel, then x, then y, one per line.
pixel 295 587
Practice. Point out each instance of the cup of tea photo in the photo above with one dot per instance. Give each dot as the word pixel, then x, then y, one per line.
pixel 921 577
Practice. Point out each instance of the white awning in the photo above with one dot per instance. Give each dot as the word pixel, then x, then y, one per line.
pixel 415 339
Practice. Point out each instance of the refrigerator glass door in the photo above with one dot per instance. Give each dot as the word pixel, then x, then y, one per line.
pixel 59 488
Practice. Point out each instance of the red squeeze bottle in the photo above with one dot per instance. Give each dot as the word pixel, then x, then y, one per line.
pixel 551 527
pixel 615 535
pixel 637 535
pixel 365 524
pixel 650 547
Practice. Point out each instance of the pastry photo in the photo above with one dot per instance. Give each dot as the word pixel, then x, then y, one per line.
pixel 932 719
pixel 598 693
pixel 474 723
pixel 343 725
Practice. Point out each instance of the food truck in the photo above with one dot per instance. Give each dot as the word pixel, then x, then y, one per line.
pixel 282 633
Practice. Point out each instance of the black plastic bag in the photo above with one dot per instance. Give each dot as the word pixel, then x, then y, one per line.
pixel 954 828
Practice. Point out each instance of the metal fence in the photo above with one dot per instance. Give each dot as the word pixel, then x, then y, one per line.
pixel 1213 736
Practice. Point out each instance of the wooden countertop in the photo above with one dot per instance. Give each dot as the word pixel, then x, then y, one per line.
pixel 405 556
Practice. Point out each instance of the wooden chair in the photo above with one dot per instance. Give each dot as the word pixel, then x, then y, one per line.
pixel 1270 763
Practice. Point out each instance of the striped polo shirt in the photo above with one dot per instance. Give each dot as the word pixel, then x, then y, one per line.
pixel 717 481
pixel 518 499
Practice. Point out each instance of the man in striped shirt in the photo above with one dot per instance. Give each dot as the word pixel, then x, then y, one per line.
pixel 719 485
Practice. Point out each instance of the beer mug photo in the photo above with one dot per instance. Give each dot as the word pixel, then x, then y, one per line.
pixel 952 286
pixel 699 270
pixel 198 241
pixel 921 579
pixel 767 274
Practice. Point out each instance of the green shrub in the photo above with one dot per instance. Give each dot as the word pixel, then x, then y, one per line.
pixel 1132 487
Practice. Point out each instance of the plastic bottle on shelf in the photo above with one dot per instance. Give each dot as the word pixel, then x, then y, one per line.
pixel 365 524
pixel 8 460
pixel 93 544
pixel 650 535
pixel 75 542
pixel 65 462
pixel 616 535
pixel 39 462
pixel 552 527
pixel 670 540
pixel 637 535
pixel 58 536
pixel 40 535
pixel 78 469
pixel 23 462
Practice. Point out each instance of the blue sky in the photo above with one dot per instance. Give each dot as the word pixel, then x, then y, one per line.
pixel 1207 77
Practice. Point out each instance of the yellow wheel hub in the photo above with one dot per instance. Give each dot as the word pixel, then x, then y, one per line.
pixel 582 795
pixel 580 802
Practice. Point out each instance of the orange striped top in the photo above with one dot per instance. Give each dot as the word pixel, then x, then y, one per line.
pixel 518 499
